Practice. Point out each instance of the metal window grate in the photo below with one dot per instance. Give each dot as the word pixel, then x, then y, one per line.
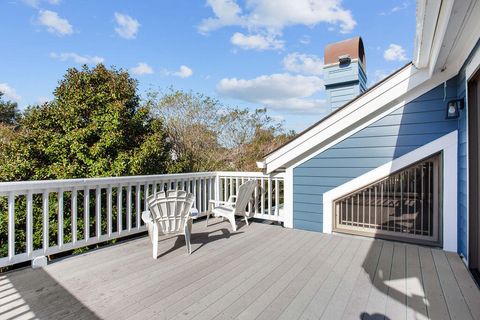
pixel 402 205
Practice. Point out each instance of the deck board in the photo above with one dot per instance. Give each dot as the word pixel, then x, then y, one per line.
pixel 262 271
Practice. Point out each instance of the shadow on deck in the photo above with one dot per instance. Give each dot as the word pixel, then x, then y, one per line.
pixel 260 272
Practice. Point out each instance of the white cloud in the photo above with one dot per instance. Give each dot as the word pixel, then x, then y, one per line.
pixel 305 39
pixel 77 58
pixel 142 68
pixel 303 63
pixel 183 72
pixel 36 3
pixel 280 91
pixel 127 27
pixel 54 23
pixel 397 8
pixel 395 52
pixel 9 92
pixel 256 42
pixel 273 16
pixel 227 13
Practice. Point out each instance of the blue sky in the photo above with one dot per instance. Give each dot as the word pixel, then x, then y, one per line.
pixel 250 53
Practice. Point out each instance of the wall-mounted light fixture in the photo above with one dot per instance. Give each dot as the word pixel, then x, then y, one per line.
pixel 453 108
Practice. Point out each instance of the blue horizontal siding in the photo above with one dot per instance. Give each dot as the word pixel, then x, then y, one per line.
pixel 405 129
pixel 463 161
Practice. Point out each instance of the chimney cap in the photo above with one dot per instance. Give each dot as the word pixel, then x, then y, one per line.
pixel 351 47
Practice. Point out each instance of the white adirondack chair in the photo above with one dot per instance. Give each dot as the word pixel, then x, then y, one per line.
pixel 169 214
pixel 235 205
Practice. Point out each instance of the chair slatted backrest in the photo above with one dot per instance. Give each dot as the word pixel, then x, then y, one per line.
pixel 171 209
pixel 244 195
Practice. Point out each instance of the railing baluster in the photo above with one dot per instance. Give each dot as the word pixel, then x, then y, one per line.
pixel 60 218
pixel 11 225
pixel 74 216
pixel 98 212
pixel 145 196
pixel 109 211
pixel 86 213
pixel 255 195
pixel 205 200
pixel 262 206
pixel 198 194
pixel 29 224
pixel 129 207
pixel 225 190
pixel 194 183
pixel 45 221
pixel 269 196
pixel 137 205
pixel 277 197
pixel 119 209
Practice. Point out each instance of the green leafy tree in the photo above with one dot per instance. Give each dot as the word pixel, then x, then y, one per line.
pixel 9 113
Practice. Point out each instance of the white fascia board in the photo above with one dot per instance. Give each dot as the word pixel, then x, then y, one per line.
pixel 427 15
pixel 448 145
pixel 440 30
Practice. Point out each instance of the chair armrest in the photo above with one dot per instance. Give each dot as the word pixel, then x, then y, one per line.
pixel 232 199
pixel 216 203
pixel 147 217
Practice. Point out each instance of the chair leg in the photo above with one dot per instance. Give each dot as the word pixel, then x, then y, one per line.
pixel 208 216
pixel 231 218
pixel 246 220
pixel 187 238
pixel 155 242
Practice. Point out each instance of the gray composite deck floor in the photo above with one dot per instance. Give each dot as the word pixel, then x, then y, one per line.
pixel 260 272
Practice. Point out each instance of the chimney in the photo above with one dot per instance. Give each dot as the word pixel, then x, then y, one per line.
pixel 344 71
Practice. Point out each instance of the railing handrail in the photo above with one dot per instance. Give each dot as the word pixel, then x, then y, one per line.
pixel 41 185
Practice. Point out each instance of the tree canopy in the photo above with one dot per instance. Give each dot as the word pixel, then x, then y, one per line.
pixel 9 113
pixel 95 126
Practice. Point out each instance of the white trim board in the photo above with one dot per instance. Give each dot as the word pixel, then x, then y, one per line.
pixel 473 65
pixel 448 145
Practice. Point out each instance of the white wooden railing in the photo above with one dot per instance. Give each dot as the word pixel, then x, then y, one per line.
pixel 74 213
